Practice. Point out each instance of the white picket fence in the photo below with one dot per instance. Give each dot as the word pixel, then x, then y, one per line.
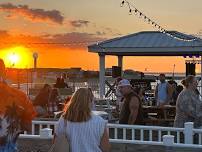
pixel 137 134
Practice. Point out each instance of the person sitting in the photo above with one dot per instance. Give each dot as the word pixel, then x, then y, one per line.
pixel 60 83
pixel 41 100
pixel 53 102
pixel 86 131
pixel 131 112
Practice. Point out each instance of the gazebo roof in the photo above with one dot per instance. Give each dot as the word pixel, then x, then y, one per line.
pixel 149 43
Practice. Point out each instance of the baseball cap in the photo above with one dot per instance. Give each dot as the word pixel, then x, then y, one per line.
pixel 124 82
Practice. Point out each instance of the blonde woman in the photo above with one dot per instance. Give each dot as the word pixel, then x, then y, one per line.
pixel 86 132
pixel 188 105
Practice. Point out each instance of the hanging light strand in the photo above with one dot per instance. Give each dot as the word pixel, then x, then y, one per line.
pixel 135 11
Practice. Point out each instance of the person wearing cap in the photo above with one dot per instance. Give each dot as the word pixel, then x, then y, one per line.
pixel 163 92
pixel 16 113
pixel 131 112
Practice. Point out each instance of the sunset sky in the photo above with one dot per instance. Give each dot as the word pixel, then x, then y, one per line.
pixel 24 22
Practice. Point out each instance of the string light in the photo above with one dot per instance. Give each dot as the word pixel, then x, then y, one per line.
pixel 132 8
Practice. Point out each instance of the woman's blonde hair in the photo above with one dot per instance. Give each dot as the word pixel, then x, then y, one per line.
pixel 78 109
pixel 189 79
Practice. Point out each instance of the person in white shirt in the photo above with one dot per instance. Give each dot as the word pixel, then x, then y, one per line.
pixel 163 92
pixel 86 132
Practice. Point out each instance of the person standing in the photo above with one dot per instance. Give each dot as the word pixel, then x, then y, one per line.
pixel 86 132
pixel 163 92
pixel 16 114
pixel 188 105
pixel 131 112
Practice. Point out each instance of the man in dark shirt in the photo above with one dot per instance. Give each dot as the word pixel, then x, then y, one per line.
pixel 131 112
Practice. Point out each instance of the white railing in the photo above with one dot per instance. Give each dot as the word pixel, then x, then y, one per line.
pixel 198 135
pixel 143 134
pixel 138 134
pixel 38 125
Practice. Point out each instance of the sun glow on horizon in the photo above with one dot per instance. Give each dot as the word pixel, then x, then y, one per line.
pixel 14 58
pixel 17 57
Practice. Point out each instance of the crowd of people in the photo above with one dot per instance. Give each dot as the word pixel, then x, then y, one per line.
pixel 48 100
pixel 84 130
pixel 185 97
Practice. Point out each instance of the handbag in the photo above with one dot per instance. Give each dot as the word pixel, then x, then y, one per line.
pixel 61 143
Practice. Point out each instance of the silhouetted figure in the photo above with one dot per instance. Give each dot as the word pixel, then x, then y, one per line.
pixel 60 83
pixel 53 102
pixel 41 100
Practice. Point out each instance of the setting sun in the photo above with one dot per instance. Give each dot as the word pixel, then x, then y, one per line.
pixel 14 58
pixel 17 57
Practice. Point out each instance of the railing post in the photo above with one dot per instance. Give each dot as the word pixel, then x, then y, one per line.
pixel 188 132
pixel 33 128
pixel 168 140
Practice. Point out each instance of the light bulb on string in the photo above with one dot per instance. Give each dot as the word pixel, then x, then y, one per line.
pixel 130 12
pixel 122 3
pixel 145 18
pixel 149 21
pixel 136 12
pixel 140 15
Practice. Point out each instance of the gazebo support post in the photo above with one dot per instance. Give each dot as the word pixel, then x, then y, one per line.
pixel 201 77
pixel 102 75
pixel 120 63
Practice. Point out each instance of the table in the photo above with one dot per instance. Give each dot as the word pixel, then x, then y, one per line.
pixel 159 115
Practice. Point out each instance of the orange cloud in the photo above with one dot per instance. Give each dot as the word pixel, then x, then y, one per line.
pixel 72 40
pixel 35 15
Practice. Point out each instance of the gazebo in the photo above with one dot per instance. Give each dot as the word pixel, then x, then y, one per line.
pixel 146 43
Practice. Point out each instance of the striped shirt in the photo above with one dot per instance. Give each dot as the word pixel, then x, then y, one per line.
pixel 83 136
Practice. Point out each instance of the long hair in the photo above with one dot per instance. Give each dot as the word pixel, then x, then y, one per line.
pixel 78 109
pixel 188 80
